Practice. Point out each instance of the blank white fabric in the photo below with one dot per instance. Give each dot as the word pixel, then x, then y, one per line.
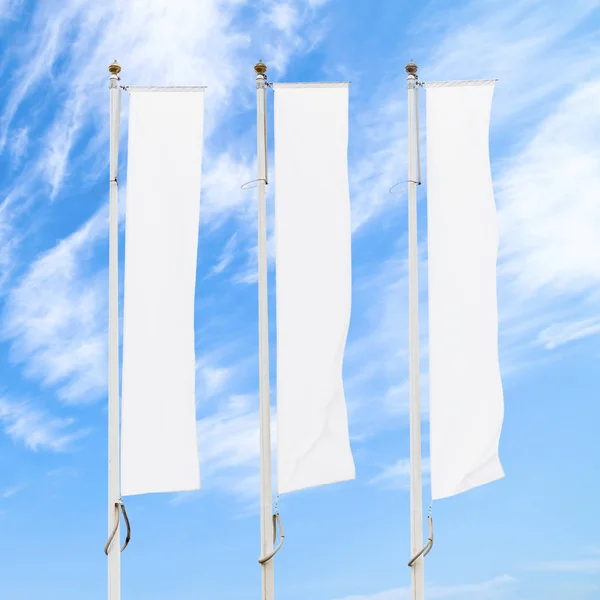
pixel 466 399
pixel 159 449
pixel 313 254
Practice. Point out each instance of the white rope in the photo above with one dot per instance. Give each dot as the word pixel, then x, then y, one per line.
pixel 316 84
pixel 166 88
pixel 468 82
pixel 418 135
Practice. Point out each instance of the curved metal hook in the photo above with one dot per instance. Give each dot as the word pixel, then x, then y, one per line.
pixel 247 186
pixel 268 557
pixel 119 504
pixel 404 190
pixel 426 548
pixel 127 524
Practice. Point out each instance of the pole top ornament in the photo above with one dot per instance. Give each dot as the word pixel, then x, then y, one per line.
pixel 260 68
pixel 411 68
pixel 115 68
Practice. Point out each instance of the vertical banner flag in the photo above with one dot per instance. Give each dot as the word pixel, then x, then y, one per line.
pixel 159 449
pixel 466 398
pixel 313 286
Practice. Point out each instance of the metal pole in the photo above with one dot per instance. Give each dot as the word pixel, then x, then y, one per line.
pixel 416 491
pixel 266 485
pixel 114 492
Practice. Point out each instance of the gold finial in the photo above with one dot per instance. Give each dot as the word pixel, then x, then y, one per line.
pixel 115 68
pixel 411 68
pixel 260 68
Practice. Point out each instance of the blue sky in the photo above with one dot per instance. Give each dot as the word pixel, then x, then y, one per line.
pixel 534 534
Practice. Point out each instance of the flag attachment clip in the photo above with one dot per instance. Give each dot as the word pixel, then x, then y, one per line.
pixel 268 557
pixel 119 505
pixel 427 547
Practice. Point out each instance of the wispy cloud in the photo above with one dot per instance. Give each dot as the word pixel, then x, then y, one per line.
pixel 545 182
pixel 62 472
pixel 55 317
pixel 8 8
pixel 209 38
pixel 211 377
pixel 19 143
pixel 229 448
pixel 209 41
pixel 377 163
pixel 376 359
pixel 297 30
pixel 486 590
pixel 549 214
pixel 559 334
pixel 397 475
pixel 12 491
pixel 227 256
pixel 282 16
pixel 39 54
pixel 504 34
pixel 587 566
pixel 36 429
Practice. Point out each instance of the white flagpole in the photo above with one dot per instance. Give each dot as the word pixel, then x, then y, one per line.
pixel 266 484
pixel 114 492
pixel 416 491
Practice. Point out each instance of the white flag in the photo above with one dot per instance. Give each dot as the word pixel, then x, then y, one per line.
pixel 313 253
pixel 159 450
pixel 466 399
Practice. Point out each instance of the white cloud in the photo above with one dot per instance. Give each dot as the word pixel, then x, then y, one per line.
pixel 36 429
pixel 210 40
pixel 379 137
pixel 397 475
pixel 62 472
pixel 227 256
pixel 8 243
pixel 376 358
pixel 493 39
pixel 248 274
pixel 298 31
pixel 229 447
pixel 222 196
pixel 546 191
pixel 559 334
pixel 12 491
pixel 514 42
pixel 211 378
pixel 487 590
pixel 39 55
pixel 155 46
pixel 582 566
pixel 8 8
pixel 56 316
pixel 549 213
pixel 19 143
pixel 282 16
pixel 549 202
